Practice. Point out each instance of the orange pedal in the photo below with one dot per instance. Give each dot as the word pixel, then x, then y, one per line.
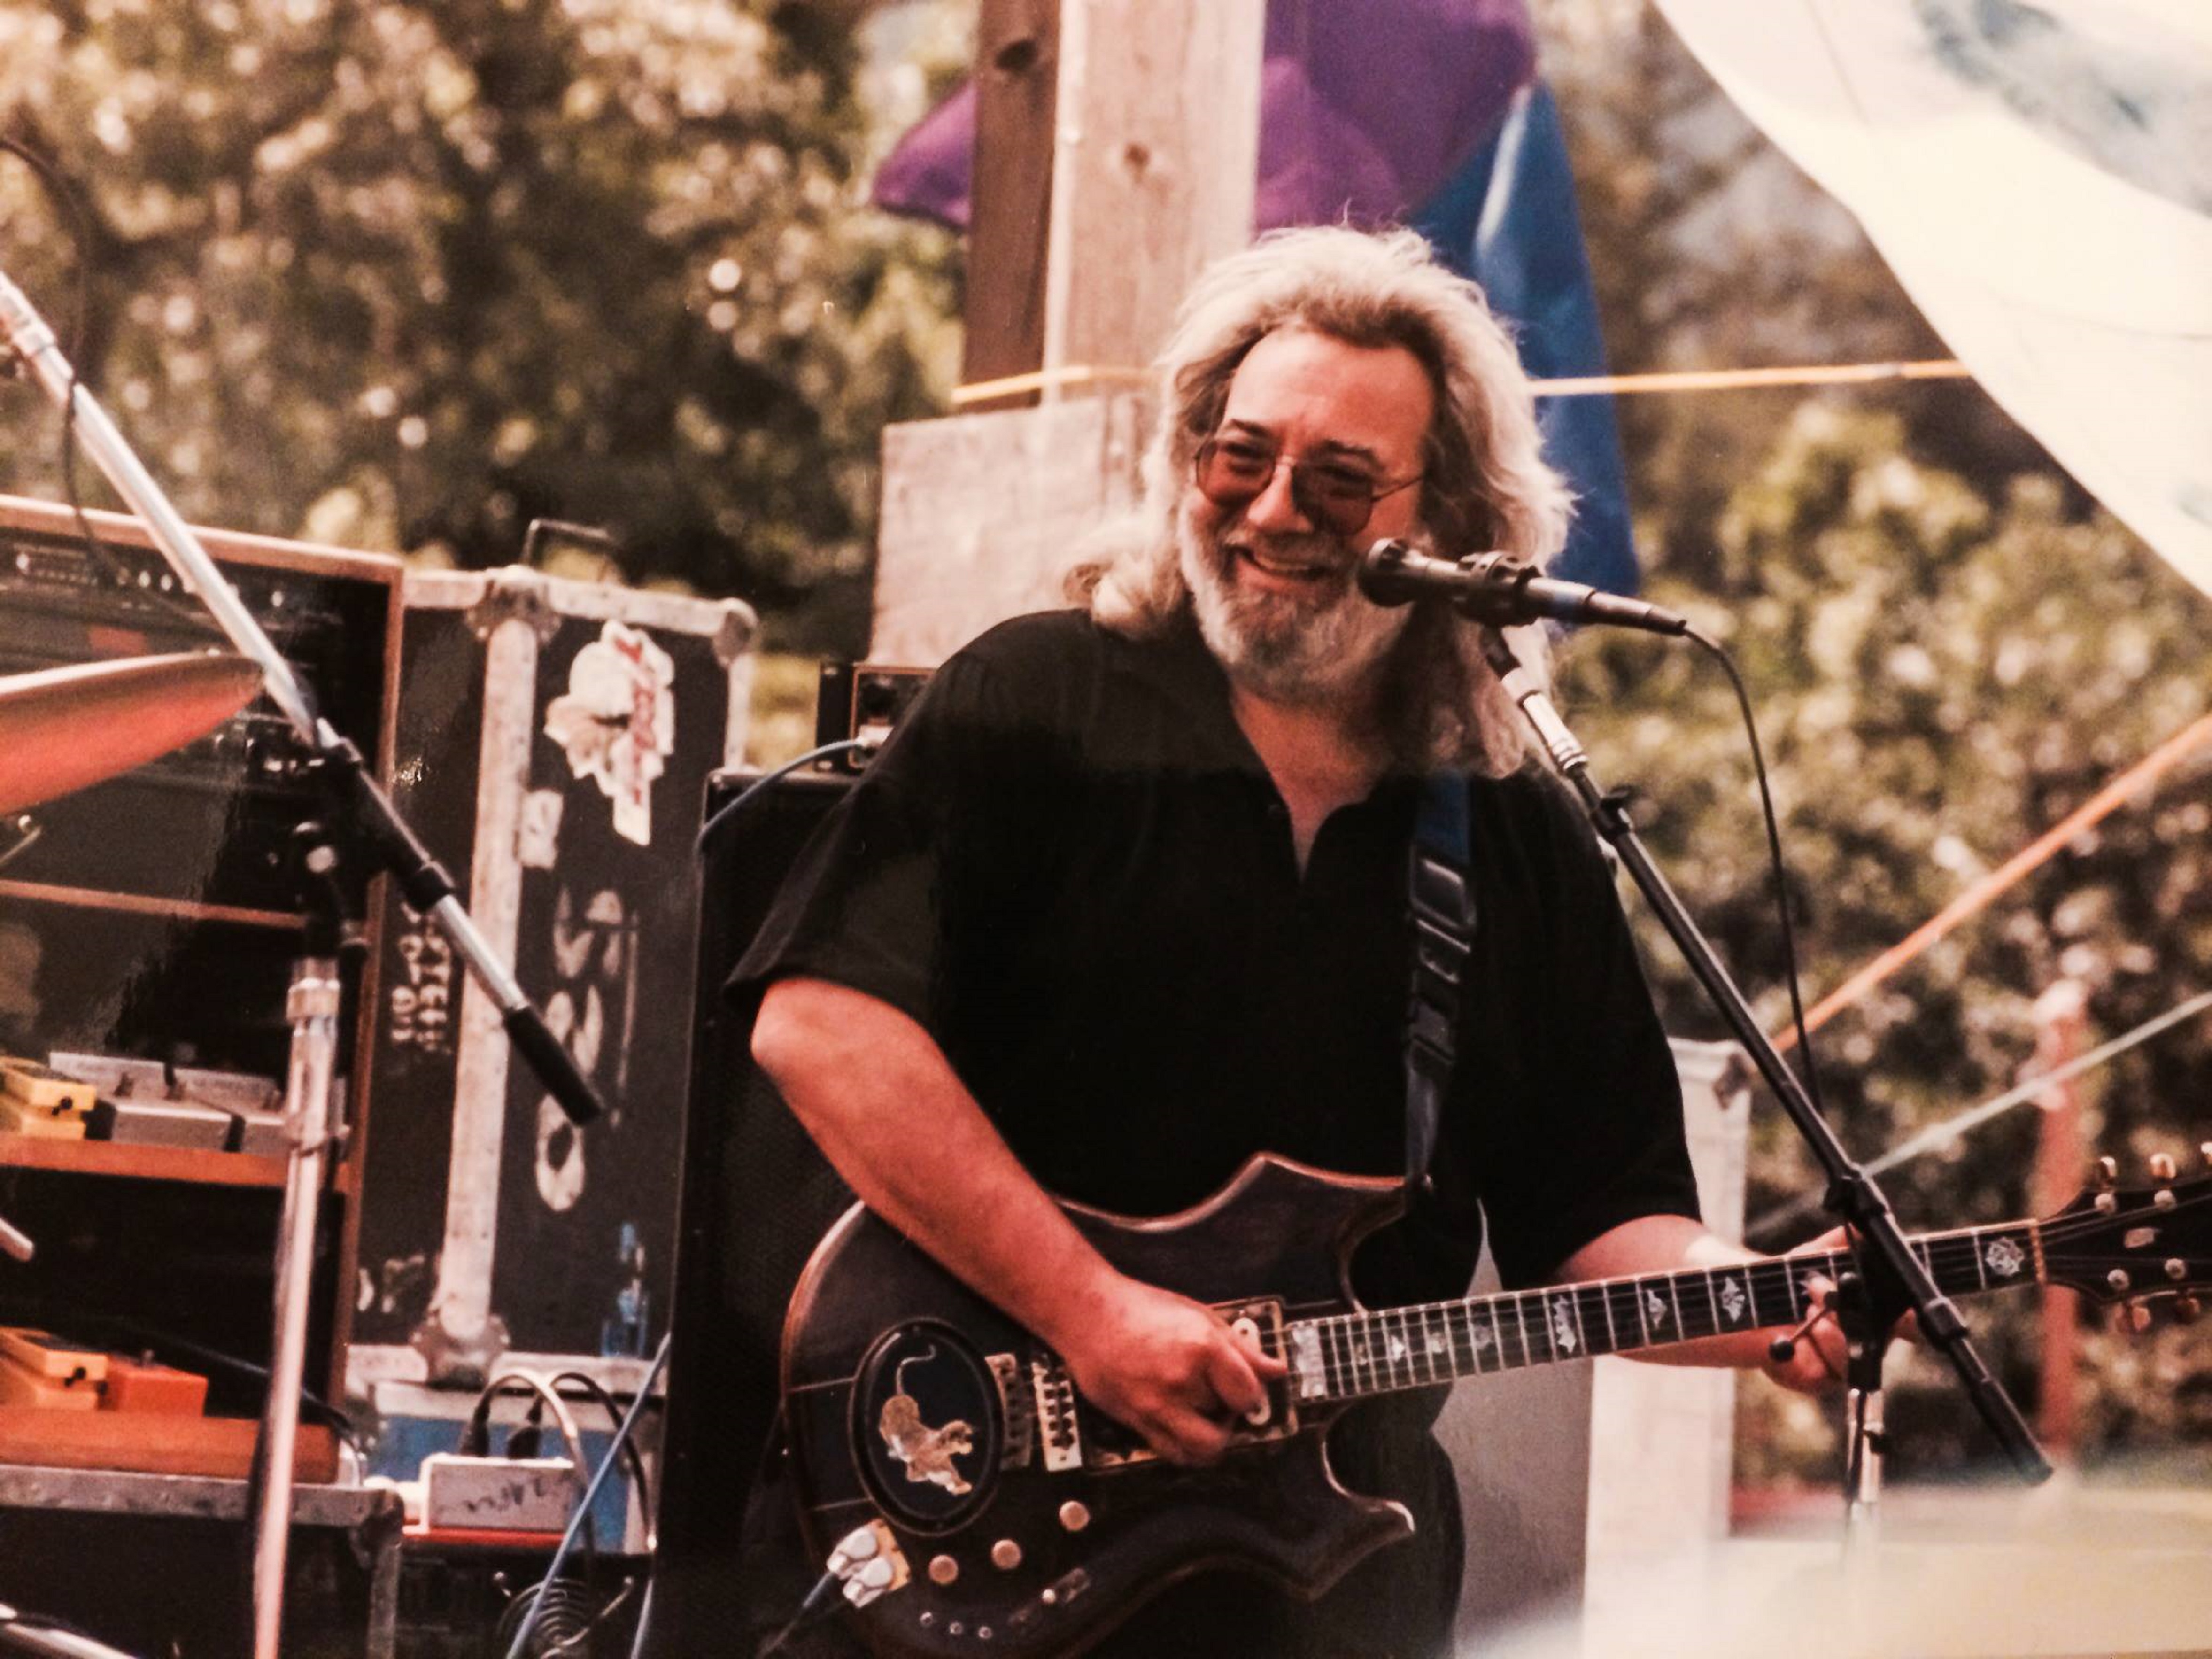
pixel 146 1385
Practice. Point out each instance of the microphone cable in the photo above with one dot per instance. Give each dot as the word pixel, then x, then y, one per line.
pixel 1808 1072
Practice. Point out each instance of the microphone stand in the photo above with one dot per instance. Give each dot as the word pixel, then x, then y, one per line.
pixel 366 818
pixel 1889 1279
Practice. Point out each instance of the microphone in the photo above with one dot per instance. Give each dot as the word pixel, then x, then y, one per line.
pixel 1497 589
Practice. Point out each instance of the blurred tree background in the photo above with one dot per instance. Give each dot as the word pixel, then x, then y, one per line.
pixel 407 276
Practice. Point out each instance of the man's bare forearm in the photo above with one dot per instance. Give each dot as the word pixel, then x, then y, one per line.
pixel 883 1104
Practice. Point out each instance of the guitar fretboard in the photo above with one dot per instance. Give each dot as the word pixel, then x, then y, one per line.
pixel 1350 1356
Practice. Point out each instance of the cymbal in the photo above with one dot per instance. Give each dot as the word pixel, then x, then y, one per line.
pixel 62 728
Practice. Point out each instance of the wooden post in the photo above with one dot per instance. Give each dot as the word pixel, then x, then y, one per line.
pixel 1155 168
pixel 2061 1020
pixel 1157 113
pixel 1017 72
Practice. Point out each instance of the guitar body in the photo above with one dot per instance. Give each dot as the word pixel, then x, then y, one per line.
pixel 1025 1522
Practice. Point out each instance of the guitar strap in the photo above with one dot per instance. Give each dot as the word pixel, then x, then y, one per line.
pixel 1440 897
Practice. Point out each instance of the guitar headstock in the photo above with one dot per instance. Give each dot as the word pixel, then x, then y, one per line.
pixel 2115 1243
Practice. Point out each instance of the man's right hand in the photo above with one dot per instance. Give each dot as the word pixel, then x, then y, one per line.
pixel 1166 1366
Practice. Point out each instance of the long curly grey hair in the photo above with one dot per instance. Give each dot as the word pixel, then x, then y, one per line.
pixel 1487 485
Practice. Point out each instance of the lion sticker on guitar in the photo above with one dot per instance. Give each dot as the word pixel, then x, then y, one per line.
pixel 926 1407
pixel 927 1453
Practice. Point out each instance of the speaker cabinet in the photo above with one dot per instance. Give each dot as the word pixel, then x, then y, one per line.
pixel 756 1198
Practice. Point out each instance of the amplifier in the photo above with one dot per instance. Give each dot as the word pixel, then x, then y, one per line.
pixel 210 823
pixel 862 700
pixel 757 1196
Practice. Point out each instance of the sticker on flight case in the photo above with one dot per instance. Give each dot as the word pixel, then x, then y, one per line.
pixel 617 722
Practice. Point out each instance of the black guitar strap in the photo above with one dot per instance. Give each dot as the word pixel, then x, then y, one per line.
pixel 1441 898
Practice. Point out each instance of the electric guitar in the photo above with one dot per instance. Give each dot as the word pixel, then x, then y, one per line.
pixel 988 1509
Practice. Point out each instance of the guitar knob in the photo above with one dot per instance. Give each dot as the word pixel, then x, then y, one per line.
pixel 1006 1555
pixel 2162 1167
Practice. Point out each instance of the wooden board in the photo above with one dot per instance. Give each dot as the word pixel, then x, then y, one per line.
pixel 1154 168
pixel 145 1163
pixel 981 513
pixel 153 1442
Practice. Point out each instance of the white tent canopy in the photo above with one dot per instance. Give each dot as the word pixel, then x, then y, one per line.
pixel 2038 175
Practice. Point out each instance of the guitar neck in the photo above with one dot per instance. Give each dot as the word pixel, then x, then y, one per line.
pixel 1355 1355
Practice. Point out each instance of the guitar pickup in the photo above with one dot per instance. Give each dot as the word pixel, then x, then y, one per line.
pixel 1058 1426
pixel 1017 1412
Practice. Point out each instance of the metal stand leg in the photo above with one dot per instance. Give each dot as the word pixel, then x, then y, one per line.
pixel 1862 1452
pixel 312 1006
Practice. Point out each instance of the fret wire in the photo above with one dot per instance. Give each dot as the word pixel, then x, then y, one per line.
pixel 1612 1337
pixel 1587 1300
pixel 1487 1322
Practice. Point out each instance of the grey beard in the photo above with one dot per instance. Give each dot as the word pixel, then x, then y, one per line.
pixel 1274 646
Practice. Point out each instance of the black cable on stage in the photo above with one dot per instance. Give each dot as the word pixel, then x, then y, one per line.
pixel 597 1390
pixel 714 827
pixel 580 1519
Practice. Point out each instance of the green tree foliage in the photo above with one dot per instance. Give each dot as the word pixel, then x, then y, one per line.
pixel 410 275
pixel 1938 681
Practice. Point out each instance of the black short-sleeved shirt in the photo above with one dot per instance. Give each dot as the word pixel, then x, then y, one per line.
pixel 1071 868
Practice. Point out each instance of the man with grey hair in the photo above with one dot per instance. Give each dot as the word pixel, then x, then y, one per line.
pixel 1123 902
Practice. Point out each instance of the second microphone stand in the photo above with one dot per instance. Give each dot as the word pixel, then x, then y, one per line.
pixel 1890 1279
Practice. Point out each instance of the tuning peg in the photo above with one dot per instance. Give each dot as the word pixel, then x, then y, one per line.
pixel 2105 1172
pixel 2131 1319
pixel 2162 1167
pixel 2204 1152
pixel 2185 1310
